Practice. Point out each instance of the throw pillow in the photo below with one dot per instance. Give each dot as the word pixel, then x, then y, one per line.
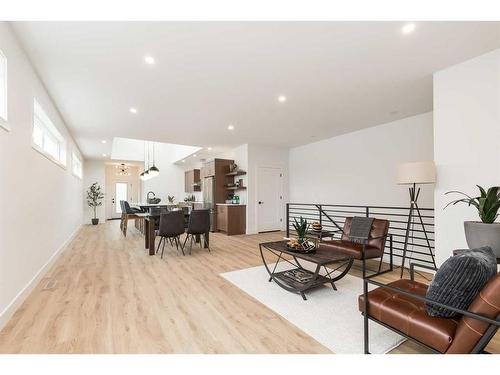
pixel 458 281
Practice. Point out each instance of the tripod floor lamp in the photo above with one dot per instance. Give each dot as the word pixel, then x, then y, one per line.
pixel 415 174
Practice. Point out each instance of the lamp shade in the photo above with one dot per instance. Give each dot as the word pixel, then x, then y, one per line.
pixel 421 172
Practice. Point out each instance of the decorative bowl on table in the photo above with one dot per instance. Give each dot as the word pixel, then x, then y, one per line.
pixel 304 246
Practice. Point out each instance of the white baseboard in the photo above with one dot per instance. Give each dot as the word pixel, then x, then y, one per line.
pixel 12 307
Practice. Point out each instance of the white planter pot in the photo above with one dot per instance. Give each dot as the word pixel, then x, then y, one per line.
pixel 479 234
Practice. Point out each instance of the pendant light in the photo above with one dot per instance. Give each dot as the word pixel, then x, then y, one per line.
pixel 147 176
pixel 143 176
pixel 153 171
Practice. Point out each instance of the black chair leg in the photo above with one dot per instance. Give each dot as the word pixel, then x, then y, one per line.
pixel 177 243
pixel 191 245
pixel 185 240
pixel 159 243
pixel 206 242
pixel 163 249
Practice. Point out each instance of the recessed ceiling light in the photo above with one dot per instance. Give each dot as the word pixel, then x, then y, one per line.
pixel 104 155
pixel 133 110
pixel 103 141
pixel 183 161
pixel 195 155
pixel 209 148
pixel 408 28
pixel 149 60
pixel 230 127
pixel 282 98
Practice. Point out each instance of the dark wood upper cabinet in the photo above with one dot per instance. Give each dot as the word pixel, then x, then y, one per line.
pixel 192 181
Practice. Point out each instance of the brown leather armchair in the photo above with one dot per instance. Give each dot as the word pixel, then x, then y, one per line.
pixel 372 248
pixel 400 306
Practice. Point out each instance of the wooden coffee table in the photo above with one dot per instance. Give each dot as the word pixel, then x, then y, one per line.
pixel 339 265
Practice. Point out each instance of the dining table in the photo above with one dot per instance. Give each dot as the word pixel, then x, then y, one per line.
pixel 150 231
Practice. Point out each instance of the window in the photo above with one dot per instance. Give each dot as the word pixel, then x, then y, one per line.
pixel 76 165
pixel 46 137
pixel 3 90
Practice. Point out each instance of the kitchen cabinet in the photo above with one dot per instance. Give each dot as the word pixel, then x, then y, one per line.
pixel 209 169
pixel 192 181
pixel 231 218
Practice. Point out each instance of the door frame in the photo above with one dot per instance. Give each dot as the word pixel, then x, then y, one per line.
pixel 112 215
pixel 281 204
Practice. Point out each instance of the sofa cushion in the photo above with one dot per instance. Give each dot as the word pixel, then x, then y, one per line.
pixel 353 249
pixel 409 315
pixel 458 281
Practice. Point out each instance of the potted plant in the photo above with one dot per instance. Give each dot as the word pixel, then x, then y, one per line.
pixel 171 199
pixel 301 227
pixel 485 232
pixel 94 198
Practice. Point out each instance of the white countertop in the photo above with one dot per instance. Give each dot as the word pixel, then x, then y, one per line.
pixel 230 204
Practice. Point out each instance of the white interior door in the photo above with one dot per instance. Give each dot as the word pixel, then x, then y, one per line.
pixel 269 199
pixel 119 193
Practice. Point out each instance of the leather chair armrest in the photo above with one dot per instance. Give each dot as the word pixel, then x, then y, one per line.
pixel 368 280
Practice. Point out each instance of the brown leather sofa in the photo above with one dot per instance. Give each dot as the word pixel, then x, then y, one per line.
pixel 400 306
pixel 370 249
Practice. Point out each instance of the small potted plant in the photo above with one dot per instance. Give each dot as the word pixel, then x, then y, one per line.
pixel 301 227
pixel 171 199
pixel 485 232
pixel 94 198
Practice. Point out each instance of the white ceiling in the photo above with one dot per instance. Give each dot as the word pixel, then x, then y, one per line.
pixel 137 150
pixel 337 76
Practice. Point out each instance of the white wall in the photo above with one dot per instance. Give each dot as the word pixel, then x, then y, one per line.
pixel 360 167
pixel 466 141
pixel 264 156
pixel 41 202
pixel 94 171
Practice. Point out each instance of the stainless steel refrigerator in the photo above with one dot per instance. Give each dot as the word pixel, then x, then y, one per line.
pixel 208 189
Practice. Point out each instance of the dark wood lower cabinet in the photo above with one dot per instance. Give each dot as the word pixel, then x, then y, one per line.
pixel 231 219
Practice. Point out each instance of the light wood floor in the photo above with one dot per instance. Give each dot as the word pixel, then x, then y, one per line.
pixel 111 297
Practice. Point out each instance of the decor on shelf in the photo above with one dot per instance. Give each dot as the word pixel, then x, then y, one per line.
pixel 171 199
pixel 423 172
pixel 485 232
pixel 301 227
pixel 94 198
pixel 233 167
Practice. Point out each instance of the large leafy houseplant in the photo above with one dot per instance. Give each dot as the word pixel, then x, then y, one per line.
pixel 487 204
pixel 486 232
pixel 94 198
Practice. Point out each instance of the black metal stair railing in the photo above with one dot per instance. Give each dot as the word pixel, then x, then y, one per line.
pixel 332 217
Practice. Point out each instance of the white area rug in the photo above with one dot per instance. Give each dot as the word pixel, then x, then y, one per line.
pixel 330 317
